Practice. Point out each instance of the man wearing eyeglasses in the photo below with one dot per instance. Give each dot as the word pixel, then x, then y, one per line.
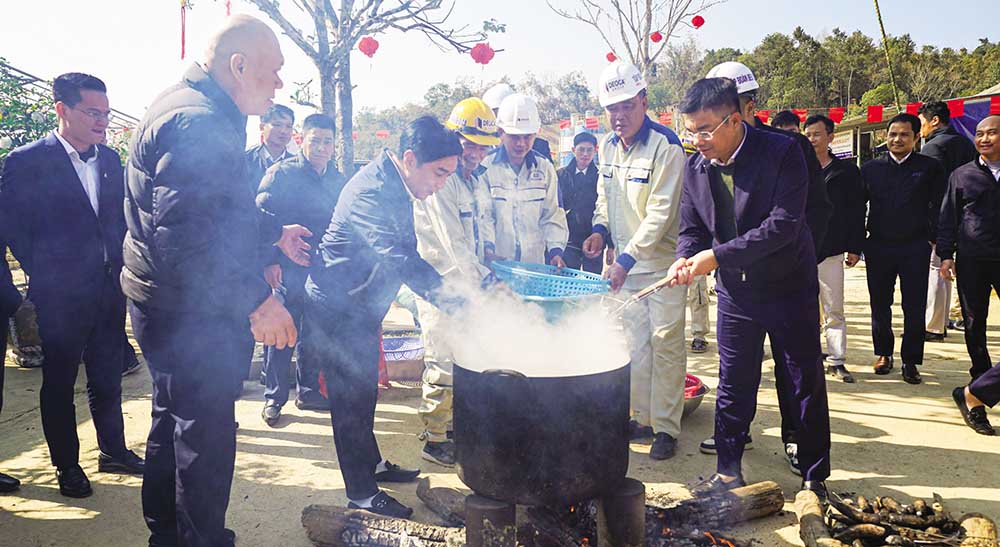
pixel 61 213
pixel 743 213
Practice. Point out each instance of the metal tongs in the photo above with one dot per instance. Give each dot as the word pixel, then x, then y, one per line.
pixel 643 294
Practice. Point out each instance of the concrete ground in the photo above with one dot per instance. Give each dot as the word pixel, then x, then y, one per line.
pixel 889 438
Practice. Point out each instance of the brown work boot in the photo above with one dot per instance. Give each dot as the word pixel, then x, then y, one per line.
pixel 883 365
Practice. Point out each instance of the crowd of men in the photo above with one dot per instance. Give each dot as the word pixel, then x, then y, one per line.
pixel 218 247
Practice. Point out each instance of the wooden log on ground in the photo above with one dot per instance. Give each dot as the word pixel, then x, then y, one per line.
pixel 447 503
pixel 980 531
pixel 329 526
pixel 749 502
pixel 812 527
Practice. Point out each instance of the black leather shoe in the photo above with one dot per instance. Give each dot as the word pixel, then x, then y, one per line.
pixel 133 366
pixel 715 485
pixel 883 365
pixel 127 464
pixel 73 482
pixel 934 337
pixel 840 372
pixel 395 473
pixel 911 375
pixel 636 431
pixel 818 488
pixel 320 404
pixel 442 453
pixel 663 447
pixel 974 417
pixel 699 345
pixel 384 504
pixel 271 414
pixel 8 483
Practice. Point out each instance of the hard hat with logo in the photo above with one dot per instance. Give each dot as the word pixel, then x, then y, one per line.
pixel 496 94
pixel 474 120
pixel 518 115
pixel 620 82
pixel 737 72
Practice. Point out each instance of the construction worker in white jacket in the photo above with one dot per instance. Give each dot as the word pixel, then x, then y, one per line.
pixel 641 165
pixel 454 228
pixel 530 225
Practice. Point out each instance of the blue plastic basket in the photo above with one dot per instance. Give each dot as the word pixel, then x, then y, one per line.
pixel 548 281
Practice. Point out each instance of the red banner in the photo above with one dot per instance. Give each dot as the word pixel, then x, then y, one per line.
pixel 956 108
pixel 564 124
pixel 763 115
pixel 995 105
pixel 666 118
pixel 382 134
pixel 875 113
pixel 592 123
pixel 836 114
pixel 913 108
pixel 802 113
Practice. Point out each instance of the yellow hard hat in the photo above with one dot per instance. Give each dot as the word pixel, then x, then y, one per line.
pixel 474 120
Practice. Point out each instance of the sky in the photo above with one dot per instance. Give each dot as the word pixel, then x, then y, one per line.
pixel 134 45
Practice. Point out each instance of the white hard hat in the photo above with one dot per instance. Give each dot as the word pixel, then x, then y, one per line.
pixel 737 72
pixel 496 94
pixel 620 82
pixel 518 115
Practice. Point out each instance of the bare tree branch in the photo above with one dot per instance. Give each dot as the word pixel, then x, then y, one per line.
pixel 270 7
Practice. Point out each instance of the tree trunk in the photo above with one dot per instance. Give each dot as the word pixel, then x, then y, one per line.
pixel 812 528
pixel 345 101
pixel 328 93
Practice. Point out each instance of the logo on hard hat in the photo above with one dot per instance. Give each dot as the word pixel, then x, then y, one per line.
pixel 614 85
pixel 486 125
pixel 744 78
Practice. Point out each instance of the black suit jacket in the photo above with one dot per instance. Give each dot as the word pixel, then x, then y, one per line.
pixel 51 228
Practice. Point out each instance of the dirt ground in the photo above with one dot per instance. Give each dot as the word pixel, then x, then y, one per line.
pixel 889 438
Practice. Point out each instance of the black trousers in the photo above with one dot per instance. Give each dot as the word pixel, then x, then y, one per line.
pixel 278 362
pixel 3 352
pixel 575 259
pixel 884 262
pixel 92 330
pixel 977 279
pixel 194 360
pixel 345 344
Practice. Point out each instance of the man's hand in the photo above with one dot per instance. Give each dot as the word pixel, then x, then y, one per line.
pixel 947 270
pixel 702 263
pixel 678 273
pixel 616 274
pixel 272 274
pixel 558 262
pixel 609 256
pixel 852 260
pixel 292 244
pixel 272 325
pixel 593 245
pixel 489 255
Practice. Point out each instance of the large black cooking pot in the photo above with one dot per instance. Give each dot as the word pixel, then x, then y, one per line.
pixel 550 441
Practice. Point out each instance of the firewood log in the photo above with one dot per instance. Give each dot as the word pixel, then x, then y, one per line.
pixel 812 528
pixel 979 530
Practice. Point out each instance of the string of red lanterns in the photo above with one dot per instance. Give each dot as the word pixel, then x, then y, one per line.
pixel 368 46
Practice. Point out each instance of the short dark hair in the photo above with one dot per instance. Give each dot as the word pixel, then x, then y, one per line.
pixel 785 118
pixel 819 118
pixel 906 118
pixel 429 140
pixel 66 88
pixel 711 94
pixel 277 110
pixel 936 108
pixel 584 136
pixel 318 121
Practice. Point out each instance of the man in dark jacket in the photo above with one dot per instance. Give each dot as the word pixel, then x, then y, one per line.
pixel 943 143
pixel 578 196
pixel 10 300
pixel 301 190
pixel 367 252
pixel 193 276
pixel 845 235
pixel 61 214
pixel 743 213
pixel 903 191
pixel 276 128
pixel 970 224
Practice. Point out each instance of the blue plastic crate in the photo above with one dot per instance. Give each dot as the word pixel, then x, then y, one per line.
pixel 548 281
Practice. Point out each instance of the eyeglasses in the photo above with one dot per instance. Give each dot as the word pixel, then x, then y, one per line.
pixel 97 115
pixel 705 135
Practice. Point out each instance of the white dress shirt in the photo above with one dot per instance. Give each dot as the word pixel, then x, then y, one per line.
pixel 88 172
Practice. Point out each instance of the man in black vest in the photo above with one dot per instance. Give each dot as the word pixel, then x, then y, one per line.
pixel 970 222
pixel 578 196
pixel 903 190
pixel 62 216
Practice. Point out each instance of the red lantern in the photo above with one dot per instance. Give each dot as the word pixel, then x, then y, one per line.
pixel 368 46
pixel 482 53
pixel 656 37
pixel 697 21
pixel 611 57
pixel 382 134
